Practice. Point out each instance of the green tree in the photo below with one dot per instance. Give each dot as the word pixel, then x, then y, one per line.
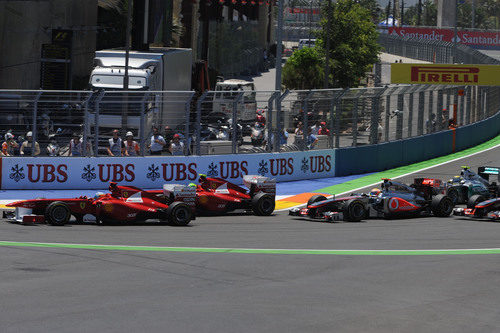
pixel 303 70
pixel 353 42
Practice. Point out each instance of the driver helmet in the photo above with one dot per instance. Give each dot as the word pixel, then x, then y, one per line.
pixel 192 185
pixel 98 195
pixel 202 178
pixel 375 192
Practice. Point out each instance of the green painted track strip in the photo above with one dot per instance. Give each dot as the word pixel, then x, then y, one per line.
pixel 252 251
pixel 393 173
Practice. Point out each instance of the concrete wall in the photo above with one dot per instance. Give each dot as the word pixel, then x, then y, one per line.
pixel 373 158
pixel 26 25
pixel 446 13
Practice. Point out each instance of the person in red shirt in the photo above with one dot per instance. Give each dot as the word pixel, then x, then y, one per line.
pixel 323 130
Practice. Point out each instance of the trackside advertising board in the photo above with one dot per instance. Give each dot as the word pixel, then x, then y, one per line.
pixel 476 39
pixel 448 74
pixel 152 172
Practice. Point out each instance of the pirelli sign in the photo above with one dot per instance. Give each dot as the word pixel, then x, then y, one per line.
pixel 447 74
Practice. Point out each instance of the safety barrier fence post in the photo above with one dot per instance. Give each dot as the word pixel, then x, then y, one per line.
pixel 234 121
pixel 187 119
pixel 279 119
pixel 439 120
pixel 305 124
pixel 337 102
pixel 198 121
pixel 97 102
pixel 468 92
pixel 142 125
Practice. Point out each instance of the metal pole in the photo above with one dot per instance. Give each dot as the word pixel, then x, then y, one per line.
pixel 142 125
pixel 187 137
pixel 235 123
pixel 269 116
pixel 455 55
pixel 279 50
pixel 34 129
pixel 198 120
pixel 327 55
pixel 279 124
pixel 127 44
pixel 96 130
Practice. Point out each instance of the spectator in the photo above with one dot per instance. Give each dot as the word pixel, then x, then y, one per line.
pixel 9 146
pixel 115 145
pixel 169 134
pixel 177 146
pixel 315 129
pixel 430 124
pixel 131 146
pixel 53 148
pixel 157 143
pixel 299 129
pixel 27 146
pixel 76 146
pixel 323 130
pixel 311 140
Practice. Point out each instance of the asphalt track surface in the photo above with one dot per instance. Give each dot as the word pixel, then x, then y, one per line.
pixel 83 290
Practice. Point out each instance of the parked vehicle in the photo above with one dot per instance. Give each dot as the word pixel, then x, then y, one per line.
pixel 223 101
pixel 160 69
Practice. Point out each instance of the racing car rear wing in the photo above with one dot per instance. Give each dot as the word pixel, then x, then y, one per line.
pixel 260 184
pixel 186 194
pixel 486 171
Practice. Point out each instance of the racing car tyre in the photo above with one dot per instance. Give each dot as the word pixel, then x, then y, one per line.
pixel 315 198
pixel 263 204
pixel 442 205
pixel 179 213
pixel 453 194
pixel 57 213
pixel 354 210
pixel 474 200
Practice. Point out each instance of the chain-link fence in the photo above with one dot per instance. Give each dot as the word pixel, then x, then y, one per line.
pixel 433 50
pixel 139 123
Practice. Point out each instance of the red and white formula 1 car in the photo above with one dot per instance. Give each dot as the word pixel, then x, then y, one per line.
pixel 489 209
pixel 123 204
pixel 218 196
pixel 394 200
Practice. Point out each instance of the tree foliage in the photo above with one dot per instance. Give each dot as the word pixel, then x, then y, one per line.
pixel 303 70
pixel 353 41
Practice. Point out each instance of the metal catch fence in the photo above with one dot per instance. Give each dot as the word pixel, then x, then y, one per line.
pixel 140 123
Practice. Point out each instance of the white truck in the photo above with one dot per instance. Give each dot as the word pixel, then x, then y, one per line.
pixel 225 94
pixel 157 70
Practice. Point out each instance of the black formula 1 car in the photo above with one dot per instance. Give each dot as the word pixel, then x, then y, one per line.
pixel 471 188
pixel 489 209
pixel 394 200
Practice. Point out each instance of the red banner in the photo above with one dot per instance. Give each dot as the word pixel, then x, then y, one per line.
pixel 475 39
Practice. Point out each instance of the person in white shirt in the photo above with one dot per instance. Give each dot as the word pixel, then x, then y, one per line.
pixel 131 146
pixel 157 143
pixel 76 146
pixel 115 145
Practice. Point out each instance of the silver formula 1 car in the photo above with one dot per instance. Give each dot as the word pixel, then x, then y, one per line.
pixel 489 209
pixel 394 200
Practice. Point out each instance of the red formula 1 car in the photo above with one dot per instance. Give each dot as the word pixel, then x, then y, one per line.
pixel 489 209
pixel 394 200
pixel 217 196
pixel 123 204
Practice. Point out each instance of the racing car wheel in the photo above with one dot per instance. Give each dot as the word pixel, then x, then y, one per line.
pixel 442 205
pixel 315 198
pixel 179 213
pixel 57 213
pixel 263 204
pixel 354 210
pixel 474 200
